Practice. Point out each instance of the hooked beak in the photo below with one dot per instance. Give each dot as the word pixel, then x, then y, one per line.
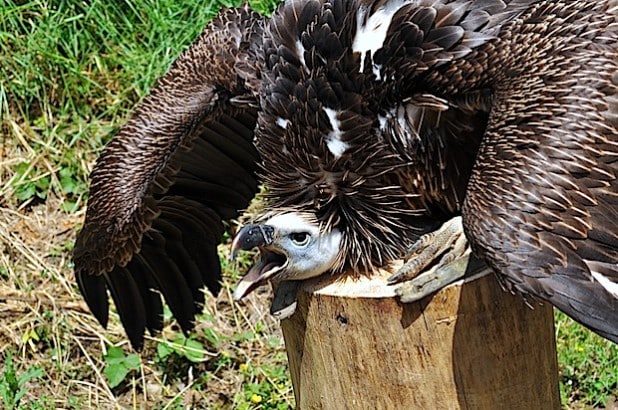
pixel 251 236
pixel 270 263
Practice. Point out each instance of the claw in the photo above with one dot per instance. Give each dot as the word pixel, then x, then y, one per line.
pixel 446 249
pixel 448 242
pixel 433 280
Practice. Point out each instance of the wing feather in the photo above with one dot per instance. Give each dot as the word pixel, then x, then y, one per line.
pixel 146 284
pixel 540 207
pixel 129 303
pixel 163 186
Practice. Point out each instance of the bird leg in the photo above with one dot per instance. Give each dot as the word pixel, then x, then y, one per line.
pixel 447 249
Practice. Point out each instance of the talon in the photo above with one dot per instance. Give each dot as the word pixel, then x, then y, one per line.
pixel 443 245
pixel 433 280
pixel 446 249
pixel 408 271
pixel 420 245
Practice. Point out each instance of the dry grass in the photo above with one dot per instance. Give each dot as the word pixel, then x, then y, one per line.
pixel 45 323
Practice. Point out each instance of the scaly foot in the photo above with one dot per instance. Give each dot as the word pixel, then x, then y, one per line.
pixel 447 248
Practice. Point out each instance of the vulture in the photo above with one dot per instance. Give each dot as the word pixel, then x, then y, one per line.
pixel 380 130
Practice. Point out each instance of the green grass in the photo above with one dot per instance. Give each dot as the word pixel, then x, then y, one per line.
pixel 588 364
pixel 70 73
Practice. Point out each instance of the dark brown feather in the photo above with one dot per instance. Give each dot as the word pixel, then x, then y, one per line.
pixel 540 205
pixel 162 187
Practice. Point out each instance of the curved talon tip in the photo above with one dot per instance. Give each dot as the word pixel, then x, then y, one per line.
pixel 391 280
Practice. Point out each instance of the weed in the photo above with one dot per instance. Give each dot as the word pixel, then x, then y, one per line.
pixel 588 364
pixel 118 365
pixel 13 385
pixel 182 346
pixel 263 385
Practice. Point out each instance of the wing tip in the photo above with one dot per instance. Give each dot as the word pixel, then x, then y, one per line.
pixel 93 289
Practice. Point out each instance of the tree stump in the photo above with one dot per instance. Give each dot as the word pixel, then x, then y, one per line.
pixel 353 345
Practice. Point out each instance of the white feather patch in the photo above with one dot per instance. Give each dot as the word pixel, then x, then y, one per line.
pixel 383 121
pixel 300 53
pixel 609 286
pixel 371 31
pixel 333 140
pixel 282 122
pixel 377 71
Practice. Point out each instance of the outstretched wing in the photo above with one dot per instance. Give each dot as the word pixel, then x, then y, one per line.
pixel 159 192
pixel 542 203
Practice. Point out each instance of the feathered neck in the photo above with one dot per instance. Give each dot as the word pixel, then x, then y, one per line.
pixel 318 138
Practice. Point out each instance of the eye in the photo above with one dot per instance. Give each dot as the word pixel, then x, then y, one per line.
pixel 300 238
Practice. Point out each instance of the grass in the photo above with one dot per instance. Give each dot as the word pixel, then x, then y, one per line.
pixel 70 72
pixel 588 366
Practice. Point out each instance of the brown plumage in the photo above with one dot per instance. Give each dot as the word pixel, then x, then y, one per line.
pixel 376 121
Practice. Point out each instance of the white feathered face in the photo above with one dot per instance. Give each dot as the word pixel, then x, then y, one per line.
pixel 291 248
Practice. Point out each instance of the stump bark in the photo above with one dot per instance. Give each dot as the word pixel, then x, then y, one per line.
pixel 353 345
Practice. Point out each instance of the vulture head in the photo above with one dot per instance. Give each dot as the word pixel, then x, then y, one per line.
pixel 291 247
pixel 369 123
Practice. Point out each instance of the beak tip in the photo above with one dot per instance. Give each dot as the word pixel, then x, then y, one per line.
pixel 241 291
pixel 234 248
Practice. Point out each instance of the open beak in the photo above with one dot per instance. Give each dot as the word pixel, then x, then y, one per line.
pixel 270 263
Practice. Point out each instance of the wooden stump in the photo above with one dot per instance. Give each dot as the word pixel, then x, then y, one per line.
pixel 352 345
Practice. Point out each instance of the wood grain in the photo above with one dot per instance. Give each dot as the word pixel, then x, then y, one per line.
pixel 469 346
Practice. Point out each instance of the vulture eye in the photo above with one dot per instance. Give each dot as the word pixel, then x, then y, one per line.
pixel 300 238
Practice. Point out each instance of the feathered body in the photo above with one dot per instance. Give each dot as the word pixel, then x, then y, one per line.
pixel 378 120
pixel 352 125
